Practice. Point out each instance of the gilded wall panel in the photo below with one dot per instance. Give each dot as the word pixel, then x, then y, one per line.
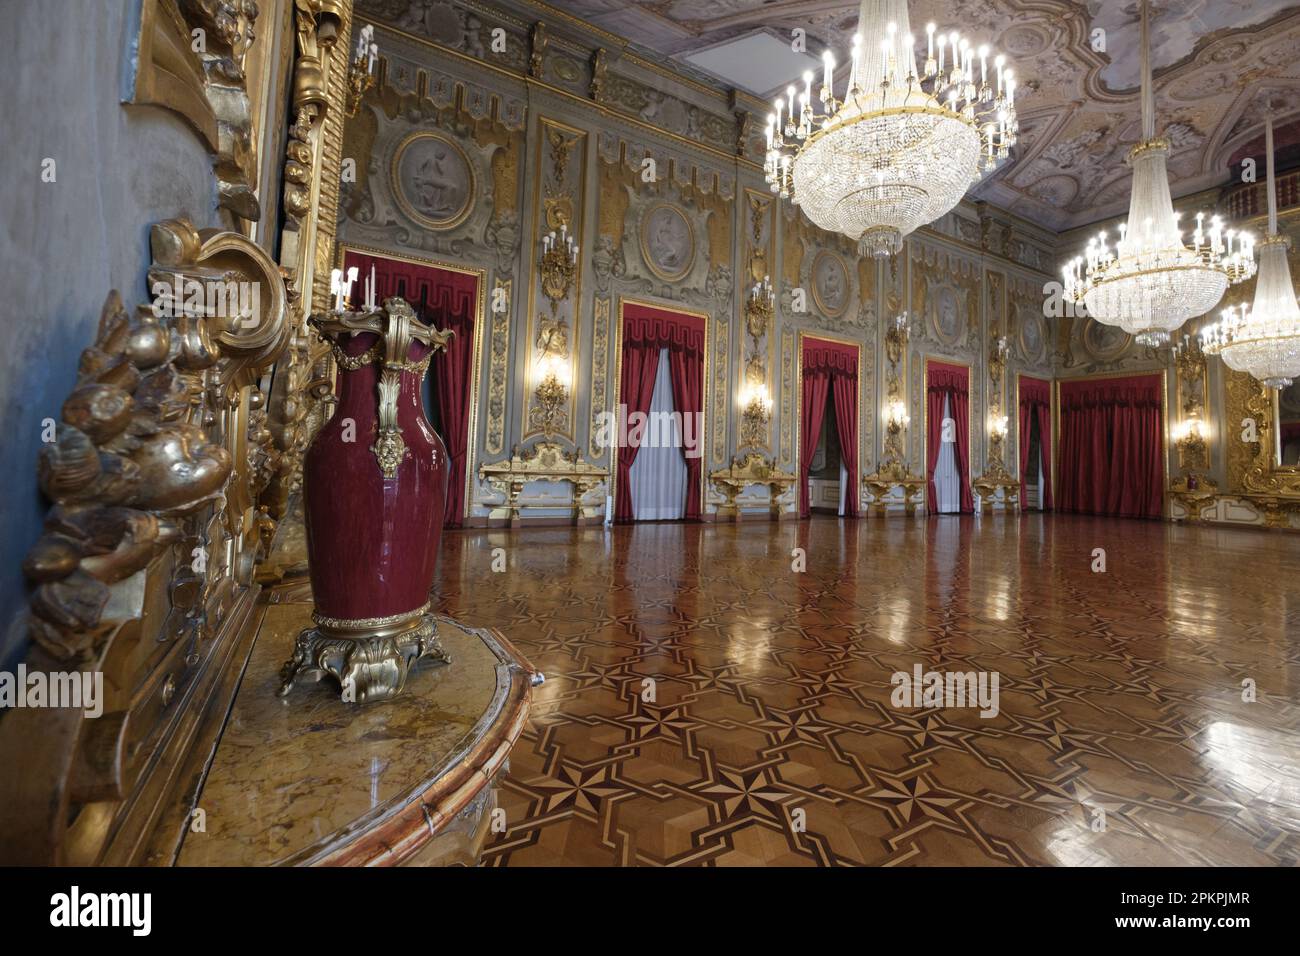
pixel 498 367
pixel 600 364
pixel 555 286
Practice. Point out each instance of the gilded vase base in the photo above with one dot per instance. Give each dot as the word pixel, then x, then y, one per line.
pixel 369 664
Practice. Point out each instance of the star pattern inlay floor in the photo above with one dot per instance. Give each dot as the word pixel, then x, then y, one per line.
pixel 706 704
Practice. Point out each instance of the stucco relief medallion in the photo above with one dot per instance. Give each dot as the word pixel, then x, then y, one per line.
pixel 667 242
pixel 1033 336
pixel 433 180
pixel 1105 343
pixel 830 284
pixel 946 317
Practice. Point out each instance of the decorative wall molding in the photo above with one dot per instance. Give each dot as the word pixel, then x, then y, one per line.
pixel 208 89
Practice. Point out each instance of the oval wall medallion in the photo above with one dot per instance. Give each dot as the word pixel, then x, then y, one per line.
pixel 830 284
pixel 1105 342
pixel 946 316
pixel 667 241
pixel 1033 336
pixel 433 180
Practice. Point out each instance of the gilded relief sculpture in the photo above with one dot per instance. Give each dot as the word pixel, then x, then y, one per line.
pixel 996 477
pixel 894 474
pixel 152 471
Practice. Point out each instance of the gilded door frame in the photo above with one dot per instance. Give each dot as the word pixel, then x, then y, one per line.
pixel 480 318
pixel 798 406
pixel 925 425
pixel 617 391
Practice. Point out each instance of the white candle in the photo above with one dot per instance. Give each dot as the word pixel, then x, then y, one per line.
pixel 352 277
pixel 828 69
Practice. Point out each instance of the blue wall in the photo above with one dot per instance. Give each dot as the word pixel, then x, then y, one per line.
pixel 64 245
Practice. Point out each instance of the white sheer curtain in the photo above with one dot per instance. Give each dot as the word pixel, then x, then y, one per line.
pixel 1042 476
pixel 947 480
pixel 844 485
pixel 658 475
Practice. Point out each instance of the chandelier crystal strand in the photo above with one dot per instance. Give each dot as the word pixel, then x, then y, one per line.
pixel 1149 283
pixel 902 145
pixel 1264 340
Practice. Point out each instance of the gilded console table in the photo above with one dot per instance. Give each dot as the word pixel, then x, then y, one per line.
pixel 545 461
pixel 881 485
pixel 1193 495
pixel 753 469
pixel 987 485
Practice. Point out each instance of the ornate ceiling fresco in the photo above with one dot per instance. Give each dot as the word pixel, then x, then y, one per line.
pixel 1216 60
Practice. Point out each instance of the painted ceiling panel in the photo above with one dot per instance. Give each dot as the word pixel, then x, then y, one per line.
pixel 1217 62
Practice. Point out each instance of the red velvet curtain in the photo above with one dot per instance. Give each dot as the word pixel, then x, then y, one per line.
pixel 829 367
pixel 951 382
pixel 446 300
pixel 1112 459
pixel 1036 405
pixel 815 388
pixel 1045 440
pixel 846 423
pixel 934 401
pixel 687 371
pixel 645 332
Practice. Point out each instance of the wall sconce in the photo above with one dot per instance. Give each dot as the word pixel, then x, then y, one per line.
pixel 1190 439
pixel 361 71
pixel 760 307
pixel 998 353
pixel 896 417
pixel 896 338
pixel 997 435
pixel 756 412
pixel 559 264
pixel 552 392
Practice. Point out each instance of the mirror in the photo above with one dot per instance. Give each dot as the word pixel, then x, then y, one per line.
pixel 1286 407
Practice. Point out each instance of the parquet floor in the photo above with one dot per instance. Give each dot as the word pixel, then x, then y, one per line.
pixel 706 704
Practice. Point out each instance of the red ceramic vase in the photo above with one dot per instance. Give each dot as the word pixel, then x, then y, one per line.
pixel 372 539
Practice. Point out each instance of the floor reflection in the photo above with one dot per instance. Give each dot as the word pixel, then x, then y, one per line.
pixel 1121 692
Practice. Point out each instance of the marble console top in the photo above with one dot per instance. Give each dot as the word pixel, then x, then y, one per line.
pixel 308 779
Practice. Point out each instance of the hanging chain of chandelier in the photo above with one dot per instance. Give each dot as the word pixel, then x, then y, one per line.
pixel 1151 282
pixel 903 145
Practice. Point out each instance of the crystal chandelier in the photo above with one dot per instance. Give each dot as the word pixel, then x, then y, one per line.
pixel 1149 284
pixel 903 146
pixel 1264 340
